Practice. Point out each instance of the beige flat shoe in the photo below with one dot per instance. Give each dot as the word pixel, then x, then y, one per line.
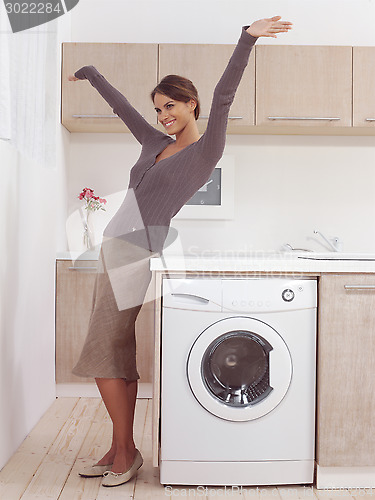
pixel 115 479
pixel 94 470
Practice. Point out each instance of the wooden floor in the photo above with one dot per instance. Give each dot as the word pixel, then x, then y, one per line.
pixel 76 431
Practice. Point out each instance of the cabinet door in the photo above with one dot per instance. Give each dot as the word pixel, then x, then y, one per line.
pixel 74 291
pixel 303 86
pixel 131 68
pixel 204 65
pixel 346 371
pixel 364 86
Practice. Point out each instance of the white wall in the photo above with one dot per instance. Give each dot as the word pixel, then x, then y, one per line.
pixel 316 22
pixel 27 249
pixel 32 208
pixel 286 186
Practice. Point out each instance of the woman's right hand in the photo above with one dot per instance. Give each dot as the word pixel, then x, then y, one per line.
pixel 269 27
pixel 81 73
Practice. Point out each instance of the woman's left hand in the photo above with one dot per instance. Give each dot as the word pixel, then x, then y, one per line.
pixel 269 27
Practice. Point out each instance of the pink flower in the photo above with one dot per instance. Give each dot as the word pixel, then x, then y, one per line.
pixel 93 203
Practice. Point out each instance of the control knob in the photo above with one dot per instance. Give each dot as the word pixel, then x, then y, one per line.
pixel 288 295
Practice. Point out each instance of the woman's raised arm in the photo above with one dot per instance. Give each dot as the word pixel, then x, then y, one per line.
pixel 213 140
pixel 137 125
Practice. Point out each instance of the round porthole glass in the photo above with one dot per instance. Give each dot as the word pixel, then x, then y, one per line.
pixel 239 368
pixel 235 368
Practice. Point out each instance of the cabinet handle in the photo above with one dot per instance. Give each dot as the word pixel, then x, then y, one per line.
pixel 370 119
pixel 82 268
pixel 303 118
pixel 204 117
pixel 359 287
pixel 94 116
pixel 97 116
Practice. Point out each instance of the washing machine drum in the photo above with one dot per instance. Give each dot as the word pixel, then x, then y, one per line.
pixel 239 369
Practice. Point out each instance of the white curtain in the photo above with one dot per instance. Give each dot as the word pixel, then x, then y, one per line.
pixel 5 124
pixel 27 84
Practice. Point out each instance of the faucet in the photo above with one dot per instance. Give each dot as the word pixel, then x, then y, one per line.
pixel 335 243
pixel 288 247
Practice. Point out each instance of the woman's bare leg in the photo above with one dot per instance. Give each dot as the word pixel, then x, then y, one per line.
pixel 108 458
pixel 119 397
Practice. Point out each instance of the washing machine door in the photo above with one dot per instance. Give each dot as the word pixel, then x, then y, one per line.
pixel 239 368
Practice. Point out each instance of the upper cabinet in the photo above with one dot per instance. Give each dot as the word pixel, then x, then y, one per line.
pixel 363 86
pixel 204 65
pixel 284 89
pixel 304 86
pixel 131 68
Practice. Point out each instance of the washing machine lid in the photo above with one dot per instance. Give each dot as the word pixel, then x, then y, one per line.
pixel 239 369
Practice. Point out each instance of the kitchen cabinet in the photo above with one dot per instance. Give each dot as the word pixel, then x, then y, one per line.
pixel 131 68
pixel 346 371
pixel 363 86
pixel 204 64
pixel 285 88
pixel 74 290
pixel 304 86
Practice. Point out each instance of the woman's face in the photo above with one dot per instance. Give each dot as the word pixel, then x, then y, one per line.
pixel 173 115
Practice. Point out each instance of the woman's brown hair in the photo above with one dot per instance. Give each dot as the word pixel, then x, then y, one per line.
pixel 178 88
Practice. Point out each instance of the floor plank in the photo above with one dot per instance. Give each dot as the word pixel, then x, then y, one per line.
pixel 329 494
pixel 242 492
pixel 297 492
pixel 51 475
pixel 361 493
pixel 76 432
pixel 17 474
pixel 94 446
pixel 49 426
pixel 48 480
pixel 22 466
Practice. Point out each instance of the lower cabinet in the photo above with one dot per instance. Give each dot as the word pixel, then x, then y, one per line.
pixel 74 291
pixel 346 371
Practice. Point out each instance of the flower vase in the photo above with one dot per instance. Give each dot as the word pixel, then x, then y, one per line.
pixel 88 234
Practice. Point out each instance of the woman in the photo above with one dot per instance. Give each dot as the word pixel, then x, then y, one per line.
pixel 166 175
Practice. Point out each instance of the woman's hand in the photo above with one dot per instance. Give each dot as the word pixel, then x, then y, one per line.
pixel 82 73
pixel 269 27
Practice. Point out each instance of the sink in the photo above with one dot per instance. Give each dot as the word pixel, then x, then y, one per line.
pixel 337 256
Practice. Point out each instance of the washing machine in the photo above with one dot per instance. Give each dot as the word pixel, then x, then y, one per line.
pixel 238 381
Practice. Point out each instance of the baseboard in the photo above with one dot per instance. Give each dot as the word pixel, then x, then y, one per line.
pixel 345 477
pixel 91 391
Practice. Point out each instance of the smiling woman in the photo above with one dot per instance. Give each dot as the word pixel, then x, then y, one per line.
pixel 177 117
pixel 139 229
pixel 180 89
pixel 177 106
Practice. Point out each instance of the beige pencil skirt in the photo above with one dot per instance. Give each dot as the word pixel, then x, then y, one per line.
pixel 121 283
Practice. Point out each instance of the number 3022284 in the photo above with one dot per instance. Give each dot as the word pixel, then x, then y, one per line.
pixel 32 8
